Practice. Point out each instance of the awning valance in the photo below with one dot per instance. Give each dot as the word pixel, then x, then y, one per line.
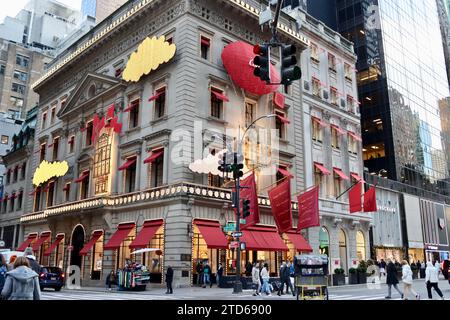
pixel 83 176
pixel 128 164
pixel 220 96
pixel 45 236
pixel 279 100
pixel 263 238
pixel 341 174
pixel 354 136
pixel 59 238
pixel 285 173
pixel 123 230
pixel 339 130
pixel 322 168
pixel 132 105
pixel 320 122
pixel 298 241
pixel 88 246
pixel 212 233
pixel 30 238
pixel 283 119
pixel 146 234
pixel 356 176
pixel 154 156
pixel 156 96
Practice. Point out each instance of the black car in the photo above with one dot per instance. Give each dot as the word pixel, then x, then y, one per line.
pixel 51 277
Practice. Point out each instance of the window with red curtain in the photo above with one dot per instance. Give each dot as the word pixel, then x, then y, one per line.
pixel 205 46
pixel 43 151
pixel 134 114
pixel 160 103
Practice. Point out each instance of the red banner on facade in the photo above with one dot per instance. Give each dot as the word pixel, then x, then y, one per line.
pixel 251 194
pixel 308 209
pixel 354 198
pixel 370 200
pixel 280 201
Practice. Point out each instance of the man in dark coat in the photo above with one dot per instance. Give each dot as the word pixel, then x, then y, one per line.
pixel 169 279
pixel 285 279
pixel 391 279
pixel 34 265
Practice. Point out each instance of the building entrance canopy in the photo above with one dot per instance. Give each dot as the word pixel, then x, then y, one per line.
pixel 212 233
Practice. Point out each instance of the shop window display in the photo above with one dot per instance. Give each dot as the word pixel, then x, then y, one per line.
pixel 124 252
pixel 202 255
pixel 59 255
pixel 44 260
pixel 153 260
pixel 97 260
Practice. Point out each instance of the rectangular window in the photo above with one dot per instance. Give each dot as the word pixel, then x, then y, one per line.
pixel 250 110
pixel 216 104
pixel 53 115
pixel 71 144
pixel 134 114
pixel 22 61
pixel 331 62
pixel 66 190
pixel 352 145
pixel 50 194
pixel 8 176
pixel 19 88
pixel 5 140
pixel 334 96
pixel 2 69
pixel 205 47
pixel 11 203
pixel 348 70
pixel 89 132
pixel 160 103
pixel 16 102
pixel 19 200
pixel 44 120
pixel 43 152
pixel 350 107
pixel 24 168
pixel 335 138
pixel 19 75
pixel 157 168
pixel 55 148
pixel 316 87
pixel 316 131
pixel 337 185
pixel 15 173
pixel 280 125
pixel 130 178
pixel 318 179
pixel 314 52
pixel 37 199
pixel 84 188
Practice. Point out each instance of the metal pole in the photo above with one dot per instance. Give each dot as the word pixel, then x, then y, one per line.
pixel 238 285
pixel 275 21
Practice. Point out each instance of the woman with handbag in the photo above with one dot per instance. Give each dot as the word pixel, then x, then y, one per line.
pixel 407 278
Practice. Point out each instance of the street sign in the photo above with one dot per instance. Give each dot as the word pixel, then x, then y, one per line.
pixel 242 221
pixel 237 234
pixel 242 245
pixel 227 229
pixel 234 245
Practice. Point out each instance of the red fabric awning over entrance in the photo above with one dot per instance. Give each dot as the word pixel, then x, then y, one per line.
pixel 212 233
pixel 59 238
pixel 153 157
pixel 146 234
pixel 237 58
pixel 128 164
pixel 299 242
pixel 88 246
pixel 117 238
pixel 31 237
pixel 341 174
pixel 322 168
pixel 263 238
pixel 45 236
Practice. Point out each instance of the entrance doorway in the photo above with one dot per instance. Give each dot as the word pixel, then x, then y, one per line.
pixel 77 244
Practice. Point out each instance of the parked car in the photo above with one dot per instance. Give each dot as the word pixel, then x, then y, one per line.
pixel 51 277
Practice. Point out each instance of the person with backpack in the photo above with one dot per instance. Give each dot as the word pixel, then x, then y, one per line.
pixel 207 275
pixel 22 283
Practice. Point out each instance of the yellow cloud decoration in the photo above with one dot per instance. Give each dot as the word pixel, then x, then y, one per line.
pixel 150 54
pixel 48 170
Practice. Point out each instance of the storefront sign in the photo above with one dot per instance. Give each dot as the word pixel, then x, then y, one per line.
pixel 280 201
pixel 386 209
pixel 308 209
pixel 432 248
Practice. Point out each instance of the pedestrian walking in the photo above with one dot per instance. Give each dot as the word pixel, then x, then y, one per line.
pixel 10 265
pixel 391 279
pixel 382 268
pixel 22 283
pixel 432 280
pixel 207 275
pixel 169 280
pixel 248 269
pixel 111 279
pixel 285 279
pixel 219 274
pixel 32 260
pixel 3 271
pixel 199 270
pixel 265 277
pixel 255 279
pixel 407 278
pixel 422 270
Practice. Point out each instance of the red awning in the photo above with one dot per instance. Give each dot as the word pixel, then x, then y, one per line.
pixel 44 237
pixel 132 106
pixel 146 234
pixel 34 191
pixel 128 164
pixel 322 168
pixel 237 58
pixel 285 173
pixel 339 130
pixel 153 157
pixel 283 119
pixel 299 242
pixel 156 96
pixel 341 174
pixel 354 136
pixel 67 187
pixel 205 41
pixel 320 122
pixel 278 99
pixel 263 238
pixel 59 238
pixel 117 238
pixel 30 238
pixel 88 246
pixel 82 177
pixel 220 96
pixel 356 176
pixel 212 233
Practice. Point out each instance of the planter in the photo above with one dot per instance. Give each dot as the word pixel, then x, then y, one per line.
pixel 338 279
pixel 362 277
pixel 352 278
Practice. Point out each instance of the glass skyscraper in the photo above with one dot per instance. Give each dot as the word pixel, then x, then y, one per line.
pixel 402 79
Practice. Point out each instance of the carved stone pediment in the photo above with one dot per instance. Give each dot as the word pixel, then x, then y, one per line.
pixel 90 88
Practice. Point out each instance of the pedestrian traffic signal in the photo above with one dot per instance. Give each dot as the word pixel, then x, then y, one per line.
pixel 223 166
pixel 262 62
pixel 289 69
pixel 245 208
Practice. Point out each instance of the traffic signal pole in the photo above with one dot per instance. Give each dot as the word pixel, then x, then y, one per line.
pixel 238 284
pixel 275 22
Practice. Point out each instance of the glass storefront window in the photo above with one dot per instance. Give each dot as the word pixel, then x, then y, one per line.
pixel 201 254
pixel 124 252
pixel 324 241
pixel 44 260
pixel 97 259
pixel 343 250
pixel 59 255
pixel 360 246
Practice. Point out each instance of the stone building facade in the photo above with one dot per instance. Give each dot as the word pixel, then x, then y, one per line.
pixel 138 181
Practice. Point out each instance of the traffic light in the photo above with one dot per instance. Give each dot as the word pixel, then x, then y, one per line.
pixel 238 166
pixel 245 208
pixel 262 62
pixel 223 166
pixel 289 69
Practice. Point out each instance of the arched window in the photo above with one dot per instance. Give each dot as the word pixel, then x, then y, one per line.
pixel 360 246
pixel 324 241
